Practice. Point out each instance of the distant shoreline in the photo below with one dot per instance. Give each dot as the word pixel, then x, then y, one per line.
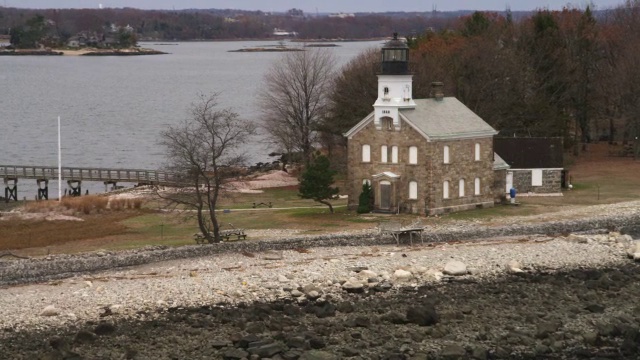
pixel 81 52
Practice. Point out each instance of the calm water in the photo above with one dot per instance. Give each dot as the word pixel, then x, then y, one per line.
pixel 113 108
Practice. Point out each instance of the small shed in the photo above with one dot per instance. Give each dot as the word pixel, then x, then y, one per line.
pixel 536 164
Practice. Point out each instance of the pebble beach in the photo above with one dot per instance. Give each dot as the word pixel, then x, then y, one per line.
pixel 531 294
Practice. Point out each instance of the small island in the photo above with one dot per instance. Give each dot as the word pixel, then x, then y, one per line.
pixel 268 49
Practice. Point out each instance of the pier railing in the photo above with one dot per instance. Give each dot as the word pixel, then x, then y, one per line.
pixel 150 177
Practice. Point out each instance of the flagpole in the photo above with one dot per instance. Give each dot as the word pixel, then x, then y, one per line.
pixel 59 164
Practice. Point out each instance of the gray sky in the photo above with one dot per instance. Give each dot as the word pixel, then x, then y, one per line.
pixel 311 6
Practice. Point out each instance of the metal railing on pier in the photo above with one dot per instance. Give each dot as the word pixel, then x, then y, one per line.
pixel 146 177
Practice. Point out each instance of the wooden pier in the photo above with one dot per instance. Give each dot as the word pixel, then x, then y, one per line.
pixel 74 176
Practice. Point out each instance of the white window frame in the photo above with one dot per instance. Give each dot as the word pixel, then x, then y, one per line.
pixel 446 158
pixel 445 189
pixel 366 153
pixel 476 186
pixel 461 188
pixel 536 177
pixel 394 154
pixel 413 155
pixel 413 190
pixel 477 152
pixel 383 154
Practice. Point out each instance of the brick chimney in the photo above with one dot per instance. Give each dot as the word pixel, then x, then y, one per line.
pixel 437 90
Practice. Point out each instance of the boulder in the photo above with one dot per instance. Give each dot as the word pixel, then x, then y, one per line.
pixel 422 315
pixel 455 268
pixel 50 310
pixel 434 274
pixel 513 267
pixel 353 287
pixel 634 248
pixel 453 351
pixel 318 355
pixel 402 275
pixel 366 274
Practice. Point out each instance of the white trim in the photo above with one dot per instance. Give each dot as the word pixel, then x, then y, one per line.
pixel 413 155
pixel 366 155
pixel 537 177
pixel 548 169
pixel 445 189
pixel 394 154
pixel 384 154
pixel 388 174
pixel 476 186
pixel 349 134
pixel 446 155
pixel 461 188
pixel 413 190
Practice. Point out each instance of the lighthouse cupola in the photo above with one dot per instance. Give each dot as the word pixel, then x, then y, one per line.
pixel 395 57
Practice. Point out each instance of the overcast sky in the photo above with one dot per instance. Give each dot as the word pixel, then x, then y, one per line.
pixel 311 6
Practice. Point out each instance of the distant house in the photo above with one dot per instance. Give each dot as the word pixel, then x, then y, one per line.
pixel 283 33
pixel 423 156
pixel 536 164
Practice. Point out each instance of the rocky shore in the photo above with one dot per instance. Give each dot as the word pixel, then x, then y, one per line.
pixel 538 293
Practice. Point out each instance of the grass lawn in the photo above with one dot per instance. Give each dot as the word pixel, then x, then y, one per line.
pixel 596 178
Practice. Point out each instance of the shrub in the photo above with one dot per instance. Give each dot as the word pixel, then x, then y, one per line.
pixel 365 199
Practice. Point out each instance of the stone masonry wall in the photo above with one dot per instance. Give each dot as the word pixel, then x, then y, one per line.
pixel 462 165
pixel 429 173
pixel 551 182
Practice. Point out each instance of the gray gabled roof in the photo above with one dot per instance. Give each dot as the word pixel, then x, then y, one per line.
pixel 439 120
pixel 446 119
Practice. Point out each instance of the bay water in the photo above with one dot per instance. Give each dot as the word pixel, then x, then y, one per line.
pixel 113 109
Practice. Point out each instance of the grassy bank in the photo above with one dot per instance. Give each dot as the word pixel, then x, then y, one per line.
pixel 124 224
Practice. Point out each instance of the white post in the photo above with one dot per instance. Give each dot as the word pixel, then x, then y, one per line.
pixel 59 164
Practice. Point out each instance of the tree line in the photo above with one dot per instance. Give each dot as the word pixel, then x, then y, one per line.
pixel 555 73
pixel 215 24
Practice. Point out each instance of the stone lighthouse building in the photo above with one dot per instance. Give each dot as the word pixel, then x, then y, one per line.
pixel 423 156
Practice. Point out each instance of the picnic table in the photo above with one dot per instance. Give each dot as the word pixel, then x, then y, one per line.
pixel 396 231
pixel 232 234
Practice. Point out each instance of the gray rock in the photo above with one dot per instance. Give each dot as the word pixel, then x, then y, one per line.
pixel 50 310
pixel 219 344
pixel 402 275
pixel 267 350
pixel 453 351
pixel 455 268
pixel 104 328
pixel 234 354
pixel 272 255
pixel 479 352
pixel 318 355
pixel 422 315
pixel 353 287
pixel 297 342
pixel 84 337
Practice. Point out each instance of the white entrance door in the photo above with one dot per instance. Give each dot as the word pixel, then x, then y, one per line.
pixel 509 181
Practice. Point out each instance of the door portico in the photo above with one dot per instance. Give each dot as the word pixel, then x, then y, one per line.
pixel 385 187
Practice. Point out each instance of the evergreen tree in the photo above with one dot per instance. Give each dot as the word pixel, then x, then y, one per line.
pixel 364 201
pixel 316 182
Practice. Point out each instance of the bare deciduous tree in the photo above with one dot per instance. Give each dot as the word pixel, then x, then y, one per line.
pixel 206 149
pixel 295 98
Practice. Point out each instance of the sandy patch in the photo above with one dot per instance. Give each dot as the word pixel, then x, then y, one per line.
pixel 49 216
